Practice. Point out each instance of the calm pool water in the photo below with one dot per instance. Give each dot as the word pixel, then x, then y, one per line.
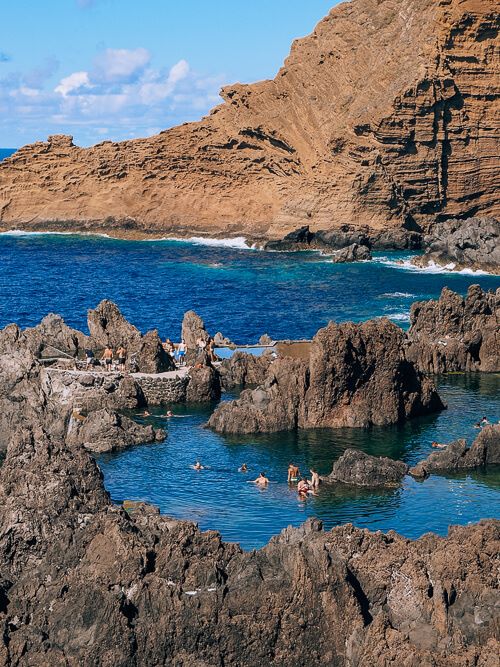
pixel 245 293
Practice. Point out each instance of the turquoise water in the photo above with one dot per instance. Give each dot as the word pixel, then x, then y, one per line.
pixel 245 293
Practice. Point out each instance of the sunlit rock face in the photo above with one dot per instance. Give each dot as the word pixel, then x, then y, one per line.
pixel 383 116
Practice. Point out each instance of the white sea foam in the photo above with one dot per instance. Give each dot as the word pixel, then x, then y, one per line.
pixel 399 317
pixel 23 232
pixel 432 267
pixel 238 242
pixel 397 295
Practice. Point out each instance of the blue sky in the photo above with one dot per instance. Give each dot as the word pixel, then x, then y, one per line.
pixel 118 69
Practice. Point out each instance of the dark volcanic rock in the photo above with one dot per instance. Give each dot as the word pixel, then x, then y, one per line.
pixel 472 243
pixel 86 583
pixel 357 375
pixel 107 326
pixel 352 253
pixel 204 384
pixel 485 450
pixel 243 369
pixel 53 337
pixel 456 334
pixel 106 431
pixel 360 469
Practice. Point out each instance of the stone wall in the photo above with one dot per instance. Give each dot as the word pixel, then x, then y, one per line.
pixel 160 390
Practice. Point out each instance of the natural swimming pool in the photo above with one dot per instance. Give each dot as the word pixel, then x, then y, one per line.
pixel 245 293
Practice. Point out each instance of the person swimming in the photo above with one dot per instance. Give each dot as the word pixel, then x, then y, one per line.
pixel 145 414
pixel 438 445
pixel 261 480
pixel 198 466
pixel 303 487
pixel 484 421
pixel 243 468
pixel 293 473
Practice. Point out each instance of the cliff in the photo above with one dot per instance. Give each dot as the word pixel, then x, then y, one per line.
pixel 384 115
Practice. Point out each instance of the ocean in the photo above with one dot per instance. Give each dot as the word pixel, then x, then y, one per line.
pixel 244 293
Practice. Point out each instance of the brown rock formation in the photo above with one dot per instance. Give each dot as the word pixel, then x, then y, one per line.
pixel 356 375
pixel 359 469
pixel 384 115
pixel 82 582
pixel 485 450
pixel 456 334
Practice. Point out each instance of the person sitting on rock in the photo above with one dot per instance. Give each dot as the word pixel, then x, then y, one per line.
pixel 314 481
pixel 303 487
pixel 107 357
pixel 201 344
pixel 293 473
pixel 121 353
pixel 261 480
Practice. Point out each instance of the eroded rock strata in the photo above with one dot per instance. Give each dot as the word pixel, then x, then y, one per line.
pixel 356 468
pixel 455 333
pixel 356 375
pixel 384 116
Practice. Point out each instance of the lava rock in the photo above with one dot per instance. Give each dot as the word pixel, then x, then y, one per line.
pixel 360 469
pixel 471 243
pixel 204 384
pixel 356 375
pixel 456 334
pixel 105 431
pixel 352 253
pixel 243 369
pixel 485 450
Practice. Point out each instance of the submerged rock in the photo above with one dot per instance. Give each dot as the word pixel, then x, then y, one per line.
pixel 356 375
pixel 106 431
pixel 360 469
pixel 485 450
pixel 473 243
pixel 456 334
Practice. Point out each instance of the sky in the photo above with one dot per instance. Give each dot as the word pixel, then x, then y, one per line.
pixel 119 69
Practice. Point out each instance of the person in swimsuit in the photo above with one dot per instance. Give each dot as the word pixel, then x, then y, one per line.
pixel 107 357
pixel 438 445
pixel 303 487
pixel 198 466
pixel 89 358
pixel 293 473
pixel 181 352
pixel 121 353
pixel 261 480
pixel 243 468
pixel 314 481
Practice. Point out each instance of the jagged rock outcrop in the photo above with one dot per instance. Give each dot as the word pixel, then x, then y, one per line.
pixel 485 450
pixel 384 115
pixel 106 431
pixel 54 338
pixel 359 469
pixel 456 334
pixel 463 244
pixel 204 384
pixel 84 582
pixel 352 253
pixel 107 326
pixel 243 369
pixel 356 375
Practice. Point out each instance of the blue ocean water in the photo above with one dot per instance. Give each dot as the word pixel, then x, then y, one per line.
pixel 244 293
pixel 5 152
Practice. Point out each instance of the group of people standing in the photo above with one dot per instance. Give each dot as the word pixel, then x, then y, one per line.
pixel 177 352
pixel 119 356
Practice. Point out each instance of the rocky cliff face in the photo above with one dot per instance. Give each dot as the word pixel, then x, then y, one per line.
pixel 384 116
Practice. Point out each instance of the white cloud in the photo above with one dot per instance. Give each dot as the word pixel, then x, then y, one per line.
pixel 120 65
pixel 73 82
